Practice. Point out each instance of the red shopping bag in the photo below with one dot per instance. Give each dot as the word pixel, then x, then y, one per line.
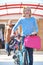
pixel 32 42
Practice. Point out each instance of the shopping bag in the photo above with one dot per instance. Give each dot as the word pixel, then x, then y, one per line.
pixel 32 42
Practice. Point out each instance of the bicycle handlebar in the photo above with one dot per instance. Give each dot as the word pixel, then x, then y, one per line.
pixel 22 36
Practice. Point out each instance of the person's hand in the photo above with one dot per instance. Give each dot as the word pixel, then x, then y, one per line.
pixel 11 36
pixel 34 33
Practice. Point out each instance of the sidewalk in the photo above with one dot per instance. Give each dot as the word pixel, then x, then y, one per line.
pixel 7 60
pixel 37 56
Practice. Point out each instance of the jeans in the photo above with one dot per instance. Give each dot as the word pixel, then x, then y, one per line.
pixel 30 52
pixel 7 47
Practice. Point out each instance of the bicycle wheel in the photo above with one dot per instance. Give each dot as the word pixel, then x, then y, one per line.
pixel 16 60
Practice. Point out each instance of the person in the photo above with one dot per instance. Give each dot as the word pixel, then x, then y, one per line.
pixel 7 33
pixel 1 38
pixel 29 27
pixel 0 44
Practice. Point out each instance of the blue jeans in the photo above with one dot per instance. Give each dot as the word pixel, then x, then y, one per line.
pixel 7 47
pixel 30 52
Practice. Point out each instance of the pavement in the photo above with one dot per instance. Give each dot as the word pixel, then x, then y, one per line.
pixel 7 60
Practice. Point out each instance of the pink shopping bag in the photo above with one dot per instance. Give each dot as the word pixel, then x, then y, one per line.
pixel 32 42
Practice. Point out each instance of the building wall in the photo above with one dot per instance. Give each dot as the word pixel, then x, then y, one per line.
pixel 40 33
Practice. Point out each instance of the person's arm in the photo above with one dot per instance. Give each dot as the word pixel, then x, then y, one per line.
pixel 5 34
pixel 15 27
pixel 35 27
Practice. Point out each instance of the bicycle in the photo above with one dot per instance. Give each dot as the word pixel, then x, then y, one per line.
pixel 20 55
